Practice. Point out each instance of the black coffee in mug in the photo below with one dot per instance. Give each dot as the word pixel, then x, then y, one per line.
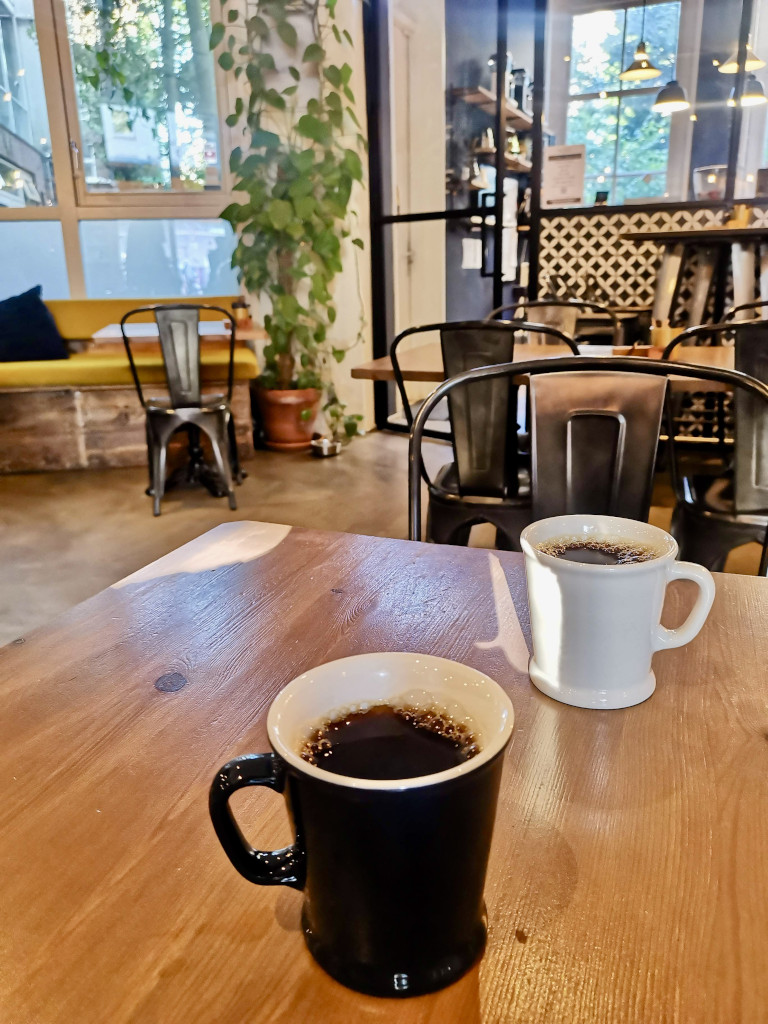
pixel 392 864
pixel 597 552
pixel 390 742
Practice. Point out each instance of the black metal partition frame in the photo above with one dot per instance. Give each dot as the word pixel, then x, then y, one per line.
pixel 376 18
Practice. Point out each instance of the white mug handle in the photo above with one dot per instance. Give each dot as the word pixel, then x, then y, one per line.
pixel 665 638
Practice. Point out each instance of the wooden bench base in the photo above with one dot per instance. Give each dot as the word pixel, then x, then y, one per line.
pixel 89 428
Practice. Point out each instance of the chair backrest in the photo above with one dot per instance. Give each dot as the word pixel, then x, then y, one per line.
pixel 469 327
pixel 751 432
pixel 751 440
pixel 560 313
pixel 594 441
pixel 178 330
pixel 484 415
pixel 532 368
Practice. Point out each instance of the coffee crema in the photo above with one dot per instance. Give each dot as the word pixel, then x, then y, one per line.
pixel 597 552
pixel 387 741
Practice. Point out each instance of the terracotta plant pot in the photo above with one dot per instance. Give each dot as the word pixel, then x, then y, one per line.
pixel 281 414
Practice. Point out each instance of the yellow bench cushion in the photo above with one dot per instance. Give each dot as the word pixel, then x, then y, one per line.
pixel 84 369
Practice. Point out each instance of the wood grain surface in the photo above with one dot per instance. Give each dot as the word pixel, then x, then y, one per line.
pixel 629 871
pixel 425 363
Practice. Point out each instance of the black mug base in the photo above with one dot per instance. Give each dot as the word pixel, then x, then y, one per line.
pixel 410 980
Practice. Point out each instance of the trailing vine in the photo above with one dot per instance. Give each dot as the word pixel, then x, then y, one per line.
pixel 296 169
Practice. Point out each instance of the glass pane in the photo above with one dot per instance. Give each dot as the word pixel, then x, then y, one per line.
pixel 157 259
pixel 662 22
pixel 31 253
pixel 596 51
pixel 146 95
pixel 643 151
pixel 26 173
pixel 594 123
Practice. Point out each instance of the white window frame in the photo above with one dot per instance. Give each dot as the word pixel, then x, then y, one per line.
pixel 73 204
pixel 560 29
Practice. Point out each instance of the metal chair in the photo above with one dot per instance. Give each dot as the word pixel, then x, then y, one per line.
pixel 488 342
pixel 487 479
pixel 573 306
pixel 609 366
pixel 186 407
pixel 761 304
pixel 721 506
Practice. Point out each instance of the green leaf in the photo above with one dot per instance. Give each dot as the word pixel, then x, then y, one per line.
pixel 348 37
pixel 258 26
pixel 332 317
pixel 336 33
pixel 333 74
pixel 274 99
pixel 313 54
pixel 302 161
pixel 226 61
pixel 353 116
pixel 102 59
pixel 287 33
pixel 235 158
pixel 331 5
pixel 312 128
pixel 231 120
pixel 346 73
pixel 290 90
pixel 217 34
pixel 307 414
pixel 353 164
pixel 280 213
pixel 232 213
pixel 358 242
pixel 233 15
pixel 349 94
pixel 264 139
pixel 333 100
pixel 294 73
pixel 338 354
pixel 305 206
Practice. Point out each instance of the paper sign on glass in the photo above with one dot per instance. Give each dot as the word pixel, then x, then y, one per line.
pixel 563 176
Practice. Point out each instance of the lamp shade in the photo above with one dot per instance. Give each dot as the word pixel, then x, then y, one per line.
pixel 641 69
pixel 752 96
pixel 731 66
pixel 671 99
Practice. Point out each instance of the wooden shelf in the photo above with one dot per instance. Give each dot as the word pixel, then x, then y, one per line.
pixel 514 162
pixel 486 100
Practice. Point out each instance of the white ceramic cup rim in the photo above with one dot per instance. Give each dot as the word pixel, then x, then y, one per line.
pixel 487 701
pixel 610 528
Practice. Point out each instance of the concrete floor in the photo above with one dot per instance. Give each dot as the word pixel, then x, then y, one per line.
pixel 65 536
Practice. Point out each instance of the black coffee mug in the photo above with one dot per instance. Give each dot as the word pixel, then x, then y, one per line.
pixel 392 870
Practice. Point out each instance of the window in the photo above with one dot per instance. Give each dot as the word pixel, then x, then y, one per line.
pixel 111 142
pixel 627 143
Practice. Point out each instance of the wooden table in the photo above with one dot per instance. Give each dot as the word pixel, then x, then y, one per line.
pixel 214 335
pixel 629 872
pixel 425 363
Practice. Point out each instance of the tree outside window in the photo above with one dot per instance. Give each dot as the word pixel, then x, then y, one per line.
pixel 627 143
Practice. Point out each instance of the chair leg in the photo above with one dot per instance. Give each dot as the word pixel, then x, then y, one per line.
pixel 234 456
pixel 159 450
pixel 448 526
pixel 763 570
pixel 219 446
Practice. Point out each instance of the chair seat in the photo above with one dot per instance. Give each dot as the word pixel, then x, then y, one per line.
pixel 446 485
pixel 209 403
pixel 715 499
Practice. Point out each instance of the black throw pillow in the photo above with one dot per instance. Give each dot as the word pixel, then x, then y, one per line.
pixel 27 329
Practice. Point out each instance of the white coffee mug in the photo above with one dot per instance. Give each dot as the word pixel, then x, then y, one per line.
pixel 595 628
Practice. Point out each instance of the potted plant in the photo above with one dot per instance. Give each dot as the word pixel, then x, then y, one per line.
pixel 295 169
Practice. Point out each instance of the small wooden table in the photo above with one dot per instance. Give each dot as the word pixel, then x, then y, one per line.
pixel 214 336
pixel 628 879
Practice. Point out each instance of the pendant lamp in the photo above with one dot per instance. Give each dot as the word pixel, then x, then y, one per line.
pixel 641 69
pixel 752 96
pixel 671 99
pixel 752 63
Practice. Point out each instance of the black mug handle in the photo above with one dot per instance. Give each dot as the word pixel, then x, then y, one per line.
pixel 264 867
